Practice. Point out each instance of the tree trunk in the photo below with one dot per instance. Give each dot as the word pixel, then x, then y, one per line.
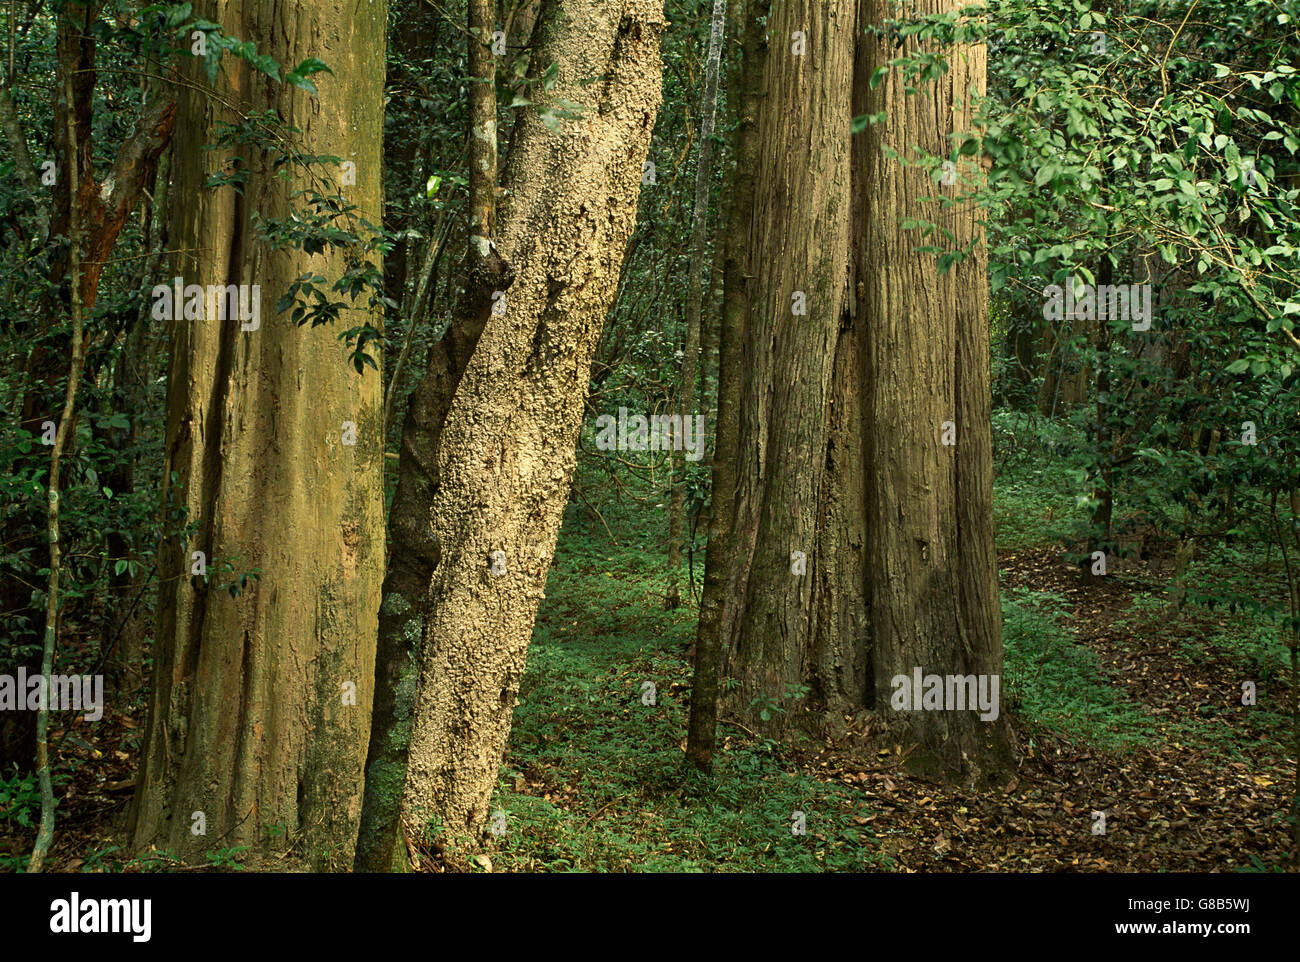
pixel 260 710
pixel 1104 441
pixel 45 834
pixel 404 148
pixel 694 296
pixel 507 452
pixel 127 626
pixel 413 543
pixel 931 564
pixel 716 606
pixel 785 530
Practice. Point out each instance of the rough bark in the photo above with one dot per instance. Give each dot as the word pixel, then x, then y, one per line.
pixel 930 561
pixel 507 452
pixel 413 543
pixel 252 721
pixel 798 233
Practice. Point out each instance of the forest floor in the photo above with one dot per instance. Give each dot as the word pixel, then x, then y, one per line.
pixel 1123 704
pixel 1114 715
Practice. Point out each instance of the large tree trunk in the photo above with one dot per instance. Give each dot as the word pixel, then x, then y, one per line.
pixel 507 452
pixel 413 545
pixel 260 711
pixel 840 417
pixel 798 234
pixel 931 564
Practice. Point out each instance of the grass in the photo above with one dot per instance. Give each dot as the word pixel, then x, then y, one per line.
pixel 1055 682
pixel 1035 492
pixel 596 778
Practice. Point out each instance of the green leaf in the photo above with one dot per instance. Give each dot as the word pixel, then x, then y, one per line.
pixel 310 66
pixel 298 77
pixel 177 15
pixel 264 63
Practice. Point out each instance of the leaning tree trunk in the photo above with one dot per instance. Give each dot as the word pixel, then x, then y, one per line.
pixel 787 563
pixel 931 563
pixel 507 451
pixel 413 545
pixel 260 711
